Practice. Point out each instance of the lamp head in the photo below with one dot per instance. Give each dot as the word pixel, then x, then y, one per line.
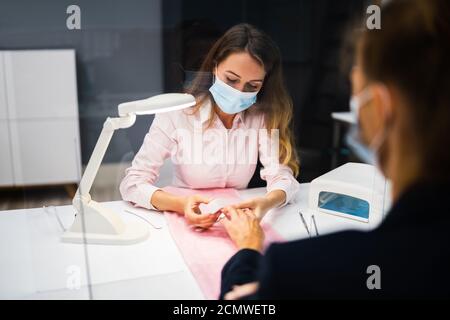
pixel 157 104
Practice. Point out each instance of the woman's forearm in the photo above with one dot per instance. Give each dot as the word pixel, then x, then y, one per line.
pixel 165 201
pixel 275 198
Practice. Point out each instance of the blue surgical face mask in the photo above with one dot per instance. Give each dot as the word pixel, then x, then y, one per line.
pixel 363 152
pixel 367 154
pixel 229 99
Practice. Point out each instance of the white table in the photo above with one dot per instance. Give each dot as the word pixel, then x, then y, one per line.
pixel 35 264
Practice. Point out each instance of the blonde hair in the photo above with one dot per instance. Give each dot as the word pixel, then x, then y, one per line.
pixel 273 100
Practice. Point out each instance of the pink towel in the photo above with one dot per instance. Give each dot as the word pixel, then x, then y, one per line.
pixel 206 252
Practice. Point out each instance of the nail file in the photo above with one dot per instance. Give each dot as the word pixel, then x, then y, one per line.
pixel 215 205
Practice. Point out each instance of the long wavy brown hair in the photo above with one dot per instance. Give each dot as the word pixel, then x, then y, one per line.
pixel 273 99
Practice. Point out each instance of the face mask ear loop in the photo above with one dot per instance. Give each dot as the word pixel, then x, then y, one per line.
pixel 381 137
pixel 386 99
pixel 378 141
pixel 214 74
pixel 358 100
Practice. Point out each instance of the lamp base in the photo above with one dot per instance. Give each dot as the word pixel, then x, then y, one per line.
pixel 135 232
pixel 101 225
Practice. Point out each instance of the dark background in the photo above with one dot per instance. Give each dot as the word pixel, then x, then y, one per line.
pixel 310 36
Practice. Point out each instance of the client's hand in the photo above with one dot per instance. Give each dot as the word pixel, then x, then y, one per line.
pixel 193 214
pixel 243 228
pixel 241 291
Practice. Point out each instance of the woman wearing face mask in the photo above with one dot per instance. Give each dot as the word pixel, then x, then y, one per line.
pixel 401 95
pixel 235 112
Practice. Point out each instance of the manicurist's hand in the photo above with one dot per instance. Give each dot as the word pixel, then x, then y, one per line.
pixel 193 214
pixel 243 228
pixel 258 206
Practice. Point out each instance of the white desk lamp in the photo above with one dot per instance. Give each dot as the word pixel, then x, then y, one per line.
pixel 95 223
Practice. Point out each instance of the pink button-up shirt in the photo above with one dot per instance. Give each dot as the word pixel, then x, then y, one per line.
pixel 213 157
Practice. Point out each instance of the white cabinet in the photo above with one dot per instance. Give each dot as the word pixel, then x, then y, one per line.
pixel 39 128
pixel 6 168
pixel 3 105
pixel 41 84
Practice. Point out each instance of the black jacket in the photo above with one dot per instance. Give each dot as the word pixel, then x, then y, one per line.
pixel 411 248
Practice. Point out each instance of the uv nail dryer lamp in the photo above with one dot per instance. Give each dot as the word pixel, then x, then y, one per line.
pixel 353 190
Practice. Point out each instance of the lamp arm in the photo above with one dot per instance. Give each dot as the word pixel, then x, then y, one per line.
pixel 94 222
pixel 109 126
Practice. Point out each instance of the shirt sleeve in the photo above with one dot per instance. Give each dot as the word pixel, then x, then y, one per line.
pixel 241 268
pixel 277 175
pixel 138 184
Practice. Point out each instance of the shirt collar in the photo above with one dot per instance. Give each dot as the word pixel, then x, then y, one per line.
pixel 205 112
